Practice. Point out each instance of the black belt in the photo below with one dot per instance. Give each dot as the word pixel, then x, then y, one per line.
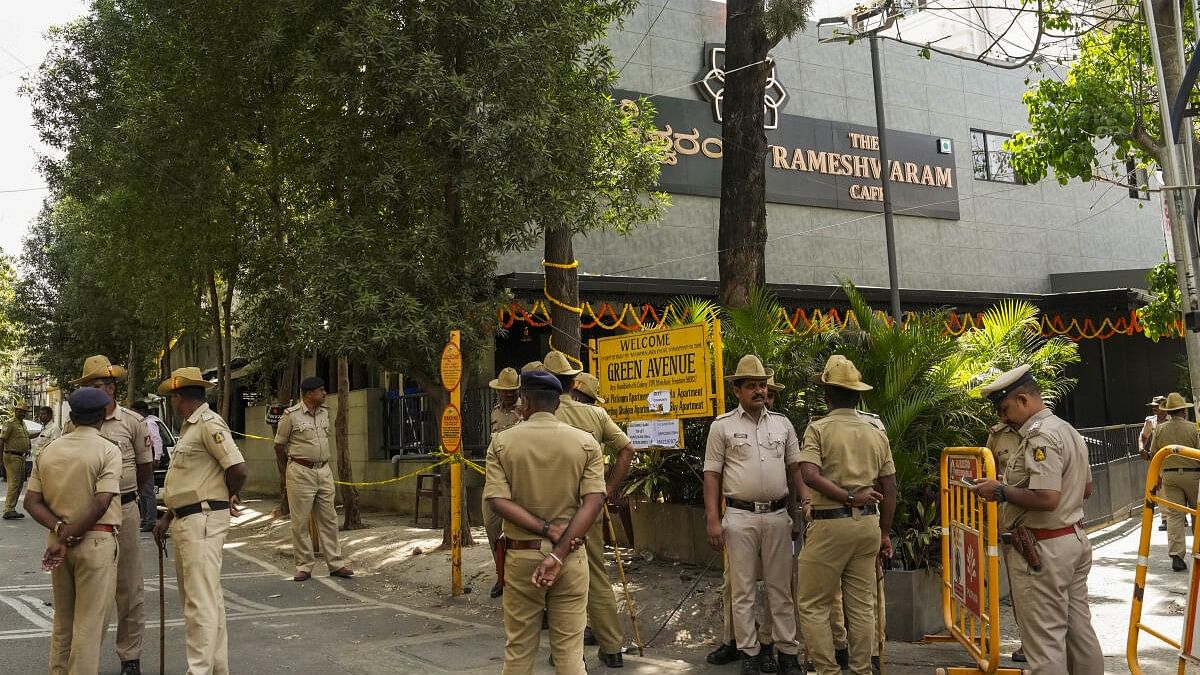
pixel 193 509
pixel 757 507
pixel 14 452
pixel 127 497
pixel 1181 469
pixel 844 512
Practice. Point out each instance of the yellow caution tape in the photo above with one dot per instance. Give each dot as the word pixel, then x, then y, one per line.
pixel 257 438
pixel 397 479
pixel 462 459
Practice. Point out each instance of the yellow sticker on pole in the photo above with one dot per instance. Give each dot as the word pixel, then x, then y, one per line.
pixel 451 366
pixel 451 429
pixel 652 374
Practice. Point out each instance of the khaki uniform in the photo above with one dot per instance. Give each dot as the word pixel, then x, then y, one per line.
pixel 1051 605
pixel 501 420
pixel 546 467
pixel 1003 441
pixel 15 439
pixel 752 459
pixel 602 601
pixel 127 430
pixel 852 451
pixel 1180 477
pixel 68 473
pixel 310 490
pixel 197 473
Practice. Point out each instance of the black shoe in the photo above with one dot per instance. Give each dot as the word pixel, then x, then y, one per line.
pixel 789 664
pixel 13 515
pixel 1163 527
pixel 147 527
pixel 1019 655
pixel 133 667
pixel 589 640
pixel 611 660
pixel 750 664
pixel 497 590
pixel 766 659
pixel 726 653
pixel 874 665
pixel 1177 564
pixel 843 657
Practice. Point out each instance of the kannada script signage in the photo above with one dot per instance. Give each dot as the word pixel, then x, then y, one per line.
pixel 811 162
pixel 656 374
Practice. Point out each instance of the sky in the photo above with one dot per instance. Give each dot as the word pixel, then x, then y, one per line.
pixel 23 44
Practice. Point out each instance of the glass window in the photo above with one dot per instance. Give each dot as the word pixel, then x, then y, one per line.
pixel 989 158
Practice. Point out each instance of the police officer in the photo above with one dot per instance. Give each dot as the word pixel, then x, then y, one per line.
pixel 546 481
pixel 15 441
pixel 602 602
pixel 72 493
pixel 127 430
pixel 504 415
pixel 750 455
pixel 1157 415
pixel 1180 475
pixel 844 456
pixel 1003 441
pixel 201 493
pixel 1043 490
pixel 302 441
pixel 587 389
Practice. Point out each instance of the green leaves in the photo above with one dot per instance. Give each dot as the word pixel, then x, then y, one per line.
pixel 1160 317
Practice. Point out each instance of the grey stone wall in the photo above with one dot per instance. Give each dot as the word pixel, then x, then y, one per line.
pixel 1010 238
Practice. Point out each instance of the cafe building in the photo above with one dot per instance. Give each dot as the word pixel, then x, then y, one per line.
pixel 968 232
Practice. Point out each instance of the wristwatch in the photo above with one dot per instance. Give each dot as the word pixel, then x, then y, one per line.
pixel 999 493
pixel 849 503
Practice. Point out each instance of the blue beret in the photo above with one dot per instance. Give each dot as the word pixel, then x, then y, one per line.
pixel 311 383
pixel 540 379
pixel 87 400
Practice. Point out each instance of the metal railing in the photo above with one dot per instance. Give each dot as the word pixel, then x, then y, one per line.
pixel 410 425
pixel 1118 472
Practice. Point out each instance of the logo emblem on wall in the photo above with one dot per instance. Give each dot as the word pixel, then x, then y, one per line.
pixel 712 87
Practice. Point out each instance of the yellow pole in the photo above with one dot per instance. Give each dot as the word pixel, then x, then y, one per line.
pixel 456 491
pixel 719 366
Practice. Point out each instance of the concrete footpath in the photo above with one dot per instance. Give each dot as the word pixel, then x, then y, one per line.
pixel 389 620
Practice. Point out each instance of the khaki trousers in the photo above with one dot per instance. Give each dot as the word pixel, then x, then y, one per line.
pixel 601 601
pixel 199 547
pixel 760 541
pixel 1052 607
pixel 131 606
pixel 492 525
pixel 83 591
pixel 1179 487
pixel 566 602
pixel 839 554
pixel 310 491
pixel 837 620
pixel 14 475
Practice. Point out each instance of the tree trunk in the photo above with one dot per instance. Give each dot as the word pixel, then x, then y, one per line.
pixel 131 375
pixel 284 394
pixel 563 286
pixel 214 299
pixel 227 351
pixel 742 233
pixel 353 519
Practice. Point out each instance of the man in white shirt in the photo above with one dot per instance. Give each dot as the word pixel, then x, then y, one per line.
pixel 146 499
pixel 50 431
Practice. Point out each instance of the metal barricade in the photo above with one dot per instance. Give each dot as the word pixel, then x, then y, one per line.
pixel 971 561
pixel 1136 627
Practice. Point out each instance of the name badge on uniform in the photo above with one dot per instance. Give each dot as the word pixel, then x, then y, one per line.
pixel 741 435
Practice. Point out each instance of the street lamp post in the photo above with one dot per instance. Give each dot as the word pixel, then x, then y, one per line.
pixel 889 228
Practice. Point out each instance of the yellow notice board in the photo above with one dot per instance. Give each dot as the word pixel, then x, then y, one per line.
pixel 656 374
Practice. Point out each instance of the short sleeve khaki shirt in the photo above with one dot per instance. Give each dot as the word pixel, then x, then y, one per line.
pixel 1051 456
pixel 1176 431
pixel 849 449
pixel 73 469
pixel 752 457
pixel 1003 441
pixel 15 436
pixel 204 451
pixel 128 431
pixel 594 420
pixel 504 419
pixel 546 466
pixel 305 434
